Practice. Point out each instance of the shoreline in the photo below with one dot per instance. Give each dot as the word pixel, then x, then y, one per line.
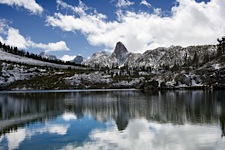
pixel 65 91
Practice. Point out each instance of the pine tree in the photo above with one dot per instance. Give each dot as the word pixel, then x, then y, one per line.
pixel 195 60
pixel 221 46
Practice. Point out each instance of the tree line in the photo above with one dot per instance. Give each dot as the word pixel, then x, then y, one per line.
pixel 16 51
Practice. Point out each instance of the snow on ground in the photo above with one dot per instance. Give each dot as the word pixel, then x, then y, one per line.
pixel 92 77
pixel 19 59
pixel 99 78
pixel 127 83
pixel 216 66
pixel 10 73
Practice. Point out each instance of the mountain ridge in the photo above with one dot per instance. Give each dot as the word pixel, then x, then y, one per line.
pixel 169 56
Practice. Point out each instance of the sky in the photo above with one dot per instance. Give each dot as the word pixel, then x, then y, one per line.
pixel 66 28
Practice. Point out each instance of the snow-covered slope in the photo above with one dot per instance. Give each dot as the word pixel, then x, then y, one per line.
pixel 178 55
pixel 10 73
pixel 100 58
pixel 150 57
pixel 19 59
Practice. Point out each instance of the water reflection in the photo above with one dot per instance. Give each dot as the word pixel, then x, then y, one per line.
pixel 141 134
pixel 113 120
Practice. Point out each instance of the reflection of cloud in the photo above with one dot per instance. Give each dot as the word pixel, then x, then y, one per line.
pixel 141 134
pixel 58 129
pixel 52 129
pixel 67 116
pixel 14 139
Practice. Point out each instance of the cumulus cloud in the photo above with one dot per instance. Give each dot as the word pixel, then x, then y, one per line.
pixel 68 57
pixel 58 46
pixel 30 5
pixel 14 38
pixel 190 23
pixel 144 2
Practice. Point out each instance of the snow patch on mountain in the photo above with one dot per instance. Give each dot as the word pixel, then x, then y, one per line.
pixel 29 61
pixel 174 55
pixel 100 58
pixel 10 73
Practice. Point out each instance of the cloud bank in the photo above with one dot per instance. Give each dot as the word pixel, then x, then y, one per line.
pixel 30 5
pixel 189 23
pixel 15 39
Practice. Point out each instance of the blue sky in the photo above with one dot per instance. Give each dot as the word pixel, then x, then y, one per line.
pixel 66 28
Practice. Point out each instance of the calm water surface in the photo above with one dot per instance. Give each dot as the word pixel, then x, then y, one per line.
pixel 125 119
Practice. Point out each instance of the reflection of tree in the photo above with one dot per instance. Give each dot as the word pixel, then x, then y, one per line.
pixel 177 107
pixel 222 125
pixel 122 119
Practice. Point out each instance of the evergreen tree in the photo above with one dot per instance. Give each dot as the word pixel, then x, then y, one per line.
pixel 221 46
pixel 195 60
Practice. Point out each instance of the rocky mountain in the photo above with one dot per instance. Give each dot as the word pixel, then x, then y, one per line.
pixel 161 68
pixel 120 54
pixel 174 55
pixel 47 56
pixel 119 57
pixel 100 58
pixel 78 59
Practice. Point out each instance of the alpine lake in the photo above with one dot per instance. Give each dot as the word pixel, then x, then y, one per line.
pixel 112 119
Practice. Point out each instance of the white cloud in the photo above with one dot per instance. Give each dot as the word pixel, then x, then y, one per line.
pixel 144 2
pixel 124 3
pixel 58 46
pixel 30 5
pixel 190 23
pixel 80 9
pixel 67 57
pixel 3 25
pixel 15 39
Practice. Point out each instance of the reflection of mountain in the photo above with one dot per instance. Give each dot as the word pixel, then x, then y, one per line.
pixel 179 107
pixel 20 109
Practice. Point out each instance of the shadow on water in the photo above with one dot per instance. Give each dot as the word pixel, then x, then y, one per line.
pixel 176 107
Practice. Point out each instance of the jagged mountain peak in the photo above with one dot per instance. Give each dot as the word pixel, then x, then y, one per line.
pixel 120 54
pixel 119 50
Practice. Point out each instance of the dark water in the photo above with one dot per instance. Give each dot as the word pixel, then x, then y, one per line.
pixel 179 120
